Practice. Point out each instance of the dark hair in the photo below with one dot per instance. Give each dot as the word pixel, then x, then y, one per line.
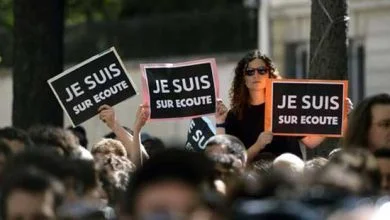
pixel 113 136
pixel 31 180
pixel 83 173
pixel 13 133
pixel 190 168
pixel 42 160
pixel 81 134
pixel 239 94
pixel 50 136
pixel 382 153
pixel 361 162
pixel 231 146
pixel 360 120
pixel 153 145
pixel 5 149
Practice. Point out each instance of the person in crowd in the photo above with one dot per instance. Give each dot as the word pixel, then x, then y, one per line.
pixel 132 143
pixel 229 155
pixel 56 139
pixel 263 164
pixel 355 170
pixel 153 145
pixel 382 156
pixel 5 154
pixel 81 181
pixel 30 194
pixel 114 173
pixel 245 119
pixel 369 124
pixel 230 146
pixel 17 139
pixel 47 161
pixel 81 134
pixel 334 152
pixel 106 147
pixel 168 186
pixel 289 164
pixel 314 166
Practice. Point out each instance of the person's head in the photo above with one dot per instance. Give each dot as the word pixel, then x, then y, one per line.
pixel 229 147
pixel 54 139
pixel 383 158
pixel 17 139
pixel 369 123
pixel 30 194
pixel 153 145
pixel 48 161
pixel 360 162
pixel 5 153
pixel 289 164
pixel 334 152
pixel 108 146
pixel 314 166
pixel 81 181
pixel 114 174
pixel 81 135
pixel 250 74
pixel 167 184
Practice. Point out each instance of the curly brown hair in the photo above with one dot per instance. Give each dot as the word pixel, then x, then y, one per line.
pixel 239 94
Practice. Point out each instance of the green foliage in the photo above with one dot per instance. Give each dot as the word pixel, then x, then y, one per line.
pixel 80 11
pixel 6 14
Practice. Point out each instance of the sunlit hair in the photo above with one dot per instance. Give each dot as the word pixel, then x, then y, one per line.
pixel 360 120
pixel 109 146
pixel 239 94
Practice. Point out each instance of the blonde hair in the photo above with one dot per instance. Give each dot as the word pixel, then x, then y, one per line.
pixel 109 146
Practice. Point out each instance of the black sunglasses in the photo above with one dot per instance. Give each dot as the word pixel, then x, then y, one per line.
pixel 261 70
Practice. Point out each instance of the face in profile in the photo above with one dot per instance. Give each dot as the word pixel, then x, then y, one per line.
pixel 256 75
pixel 379 131
pixel 22 204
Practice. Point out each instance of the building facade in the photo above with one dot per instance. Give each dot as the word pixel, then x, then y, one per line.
pixel 368 44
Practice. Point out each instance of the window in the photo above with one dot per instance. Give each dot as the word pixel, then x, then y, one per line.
pixel 297 65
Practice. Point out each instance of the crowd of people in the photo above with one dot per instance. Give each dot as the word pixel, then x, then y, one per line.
pixel 244 172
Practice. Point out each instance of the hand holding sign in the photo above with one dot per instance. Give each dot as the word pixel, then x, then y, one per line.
pixel 81 89
pixel 107 115
pixel 141 117
pixel 306 107
pixel 180 90
pixel 221 112
pixel 264 138
pixel 349 105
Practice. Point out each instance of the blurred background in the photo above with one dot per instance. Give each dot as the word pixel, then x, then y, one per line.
pixel 180 30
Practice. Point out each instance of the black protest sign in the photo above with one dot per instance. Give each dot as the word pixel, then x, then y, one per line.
pixel 306 107
pixel 100 80
pixel 180 90
pixel 200 131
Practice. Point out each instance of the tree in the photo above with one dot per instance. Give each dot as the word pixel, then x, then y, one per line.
pixel 38 56
pixel 328 47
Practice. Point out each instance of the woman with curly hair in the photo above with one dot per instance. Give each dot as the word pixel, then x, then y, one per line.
pixel 245 119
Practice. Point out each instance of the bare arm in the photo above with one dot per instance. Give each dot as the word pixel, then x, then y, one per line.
pixel 220 116
pixel 107 115
pixel 315 140
pixel 138 149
